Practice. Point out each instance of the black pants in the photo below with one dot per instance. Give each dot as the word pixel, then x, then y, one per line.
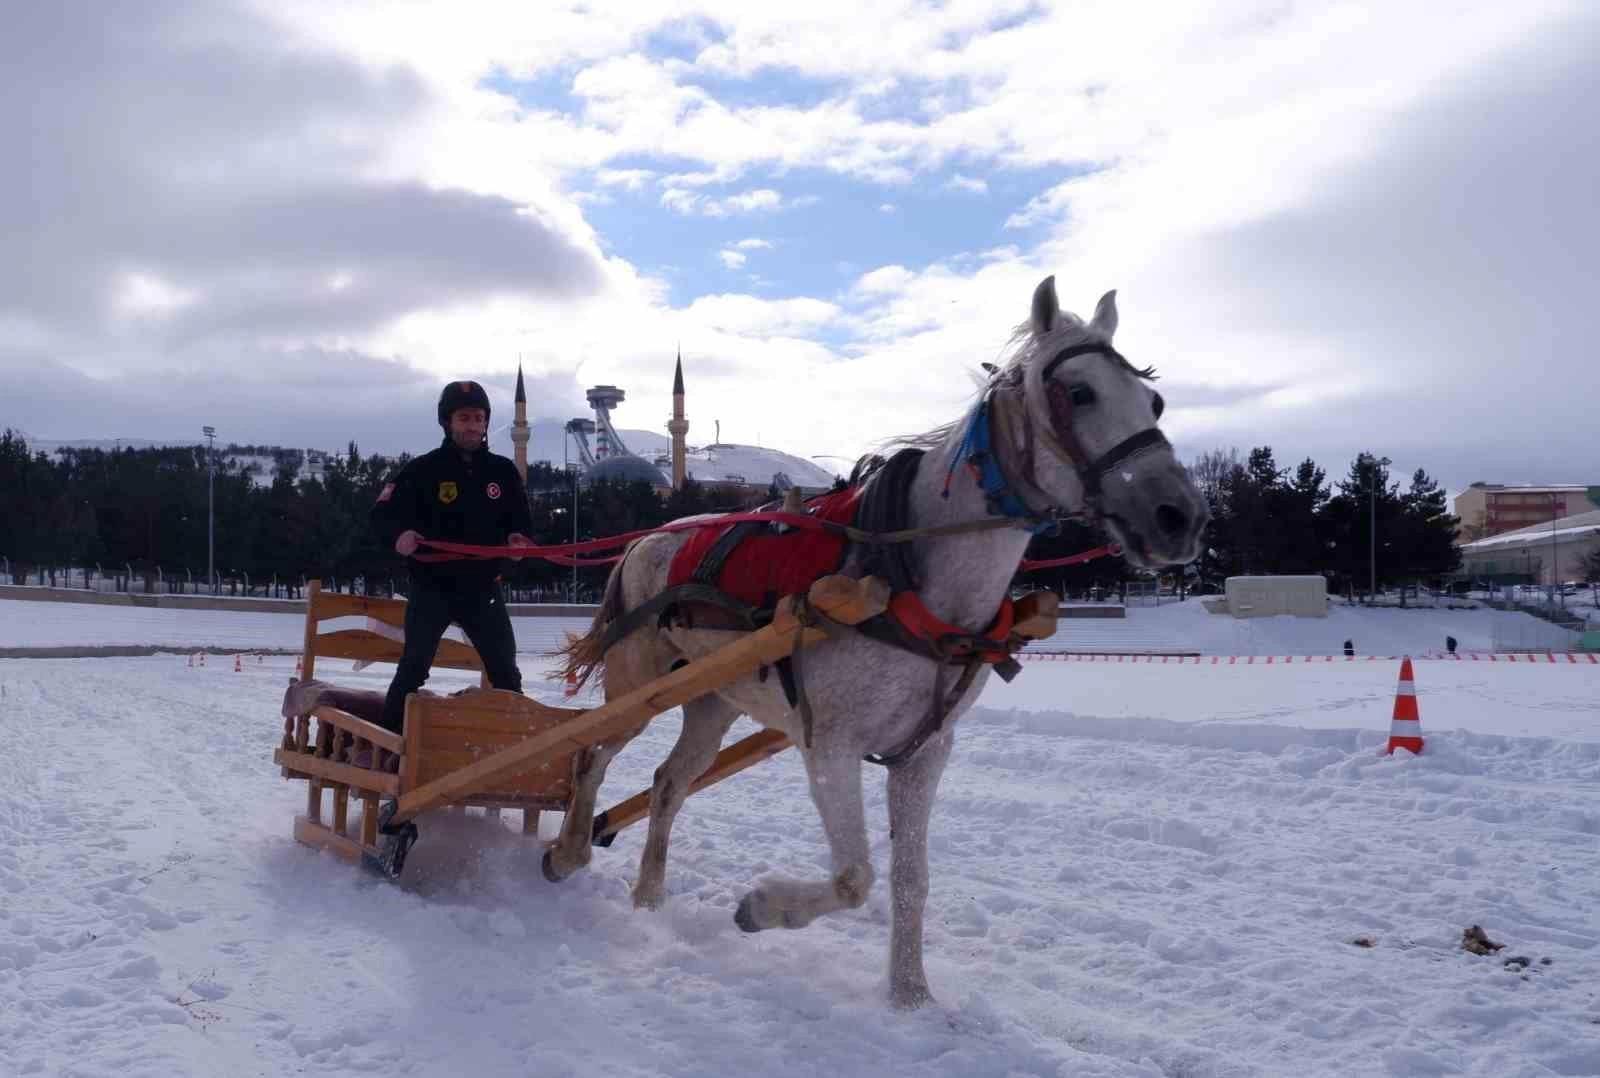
pixel 481 612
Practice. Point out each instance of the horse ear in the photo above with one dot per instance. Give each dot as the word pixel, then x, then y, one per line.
pixel 1105 315
pixel 1045 306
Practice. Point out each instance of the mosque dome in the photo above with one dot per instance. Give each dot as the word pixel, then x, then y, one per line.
pixel 626 469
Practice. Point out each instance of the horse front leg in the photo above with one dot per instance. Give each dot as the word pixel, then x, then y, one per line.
pixel 912 786
pixel 705 723
pixel 836 791
pixel 572 850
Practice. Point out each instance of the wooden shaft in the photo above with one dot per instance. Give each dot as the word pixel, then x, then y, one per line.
pixel 837 597
pixel 747 752
pixel 1036 614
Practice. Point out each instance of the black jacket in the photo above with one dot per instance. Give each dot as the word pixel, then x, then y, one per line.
pixel 477 498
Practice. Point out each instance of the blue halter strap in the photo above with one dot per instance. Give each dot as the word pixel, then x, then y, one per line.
pixel 976 450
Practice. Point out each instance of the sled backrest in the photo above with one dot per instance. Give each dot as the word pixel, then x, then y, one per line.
pixel 380 642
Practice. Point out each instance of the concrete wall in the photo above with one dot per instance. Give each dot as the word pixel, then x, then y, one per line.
pixel 1267 596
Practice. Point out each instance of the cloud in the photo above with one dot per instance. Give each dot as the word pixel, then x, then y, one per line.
pixel 968 184
pixel 203 184
pixel 731 258
pixel 383 406
pixel 631 179
pixel 1331 225
pixel 758 200
pixel 753 244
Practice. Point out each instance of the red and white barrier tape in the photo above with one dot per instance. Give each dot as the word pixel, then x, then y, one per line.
pixel 1557 657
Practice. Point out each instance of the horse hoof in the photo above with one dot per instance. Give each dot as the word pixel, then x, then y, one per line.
pixel 548 866
pixel 744 916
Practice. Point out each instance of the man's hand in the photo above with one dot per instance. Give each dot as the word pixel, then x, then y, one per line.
pixel 406 545
pixel 518 539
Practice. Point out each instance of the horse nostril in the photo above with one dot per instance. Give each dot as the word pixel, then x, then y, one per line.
pixel 1171 520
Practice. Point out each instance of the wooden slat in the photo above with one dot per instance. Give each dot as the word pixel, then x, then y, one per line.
pixel 341 809
pixel 358 727
pixel 548 785
pixel 839 598
pixel 326 770
pixel 369 820
pixel 326 605
pixel 530 821
pixel 314 834
pixel 759 746
pixel 308 647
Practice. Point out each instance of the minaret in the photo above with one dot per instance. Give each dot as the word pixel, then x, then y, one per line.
pixel 519 430
pixel 678 427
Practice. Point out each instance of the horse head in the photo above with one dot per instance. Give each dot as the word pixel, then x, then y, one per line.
pixel 1087 439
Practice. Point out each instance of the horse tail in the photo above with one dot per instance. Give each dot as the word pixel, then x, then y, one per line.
pixel 584 656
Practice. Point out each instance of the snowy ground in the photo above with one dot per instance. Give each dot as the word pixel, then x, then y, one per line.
pixel 1137 870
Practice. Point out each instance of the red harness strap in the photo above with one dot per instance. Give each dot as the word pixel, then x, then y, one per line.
pixel 918 621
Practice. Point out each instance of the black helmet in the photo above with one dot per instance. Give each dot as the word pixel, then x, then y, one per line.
pixel 461 395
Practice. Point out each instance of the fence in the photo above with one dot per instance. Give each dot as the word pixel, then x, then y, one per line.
pixel 126 579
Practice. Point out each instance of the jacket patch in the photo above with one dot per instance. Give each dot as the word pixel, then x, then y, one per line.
pixel 386 493
pixel 447 492
pixel 493 490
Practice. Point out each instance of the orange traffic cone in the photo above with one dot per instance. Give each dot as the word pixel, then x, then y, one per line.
pixel 572 684
pixel 1405 729
pixel 238 665
pixel 297 666
pixel 202 658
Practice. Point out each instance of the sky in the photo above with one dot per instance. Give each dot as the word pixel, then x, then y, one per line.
pixel 1332 228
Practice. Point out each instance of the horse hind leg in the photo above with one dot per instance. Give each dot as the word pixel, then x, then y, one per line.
pixel 705 723
pixel 779 903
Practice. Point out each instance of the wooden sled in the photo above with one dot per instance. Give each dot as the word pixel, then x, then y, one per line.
pixel 500 749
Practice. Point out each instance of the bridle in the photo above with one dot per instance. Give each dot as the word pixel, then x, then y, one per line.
pixel 1007 495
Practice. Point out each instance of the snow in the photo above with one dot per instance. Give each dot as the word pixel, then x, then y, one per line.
pixel 1138 870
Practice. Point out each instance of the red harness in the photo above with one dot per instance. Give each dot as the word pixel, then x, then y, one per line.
pixel 767 565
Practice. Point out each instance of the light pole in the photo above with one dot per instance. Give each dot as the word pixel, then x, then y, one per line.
pixel 571 474
pixel 1555 511
pixel 1372 515
pixel 211 517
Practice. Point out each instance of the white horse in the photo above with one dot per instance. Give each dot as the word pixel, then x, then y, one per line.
pixel 1070 427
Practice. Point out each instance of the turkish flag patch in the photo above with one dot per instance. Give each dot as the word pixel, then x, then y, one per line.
pixel 493 490
pixel 387 492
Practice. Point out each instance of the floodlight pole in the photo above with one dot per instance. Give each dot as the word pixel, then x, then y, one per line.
pixel 211 516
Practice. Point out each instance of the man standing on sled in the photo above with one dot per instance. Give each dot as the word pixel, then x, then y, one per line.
pixel 461 493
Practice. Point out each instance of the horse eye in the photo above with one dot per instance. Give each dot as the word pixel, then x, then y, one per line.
pixel 1082 396
pixel 1158 404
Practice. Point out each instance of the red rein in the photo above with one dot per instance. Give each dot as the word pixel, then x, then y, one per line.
pixel 567 554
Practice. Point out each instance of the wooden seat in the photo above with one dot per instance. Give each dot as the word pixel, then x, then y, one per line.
pixel 327 746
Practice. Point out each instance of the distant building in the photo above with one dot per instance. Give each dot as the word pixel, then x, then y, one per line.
pixel 1551 553
pixel 1489 509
